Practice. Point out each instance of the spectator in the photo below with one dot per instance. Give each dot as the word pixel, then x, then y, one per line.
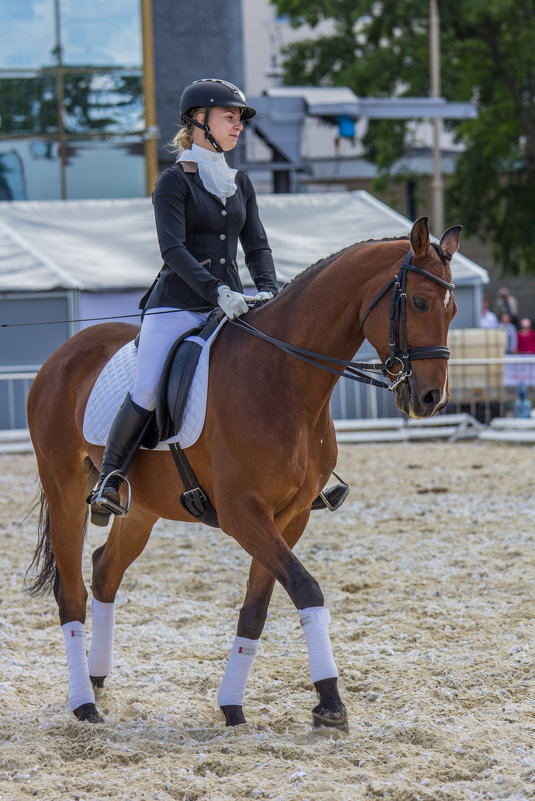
pixel 525 337
pixel 488 318
pixel 505 302
pixel 510 333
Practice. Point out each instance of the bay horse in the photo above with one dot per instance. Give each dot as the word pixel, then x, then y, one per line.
pixel 267 448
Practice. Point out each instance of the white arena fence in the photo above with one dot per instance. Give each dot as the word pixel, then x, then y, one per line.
pixel 481 390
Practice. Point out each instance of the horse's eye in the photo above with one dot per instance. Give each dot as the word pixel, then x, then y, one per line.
pixel 419 304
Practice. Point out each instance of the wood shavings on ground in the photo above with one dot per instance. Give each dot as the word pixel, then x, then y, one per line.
pixel 428 571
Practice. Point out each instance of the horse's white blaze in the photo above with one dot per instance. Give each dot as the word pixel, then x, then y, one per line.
pixel 443 397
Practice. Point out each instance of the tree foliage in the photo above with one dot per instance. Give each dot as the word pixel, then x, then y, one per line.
pixel 488 56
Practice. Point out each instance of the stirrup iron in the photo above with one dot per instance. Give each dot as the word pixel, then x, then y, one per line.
pixel 332 498
pixel 105 504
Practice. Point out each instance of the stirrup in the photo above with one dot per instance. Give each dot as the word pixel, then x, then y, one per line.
pixel 103 504
pixel 331 498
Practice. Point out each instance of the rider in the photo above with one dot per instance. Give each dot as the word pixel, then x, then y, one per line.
pixel 202 207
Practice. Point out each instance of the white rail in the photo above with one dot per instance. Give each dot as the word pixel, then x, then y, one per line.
pixel 12 407
pixel 495 393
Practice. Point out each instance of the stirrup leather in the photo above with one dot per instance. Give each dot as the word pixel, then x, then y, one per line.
pixel 98 499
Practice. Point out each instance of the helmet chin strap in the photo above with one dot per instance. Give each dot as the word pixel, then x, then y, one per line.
pixel 204 127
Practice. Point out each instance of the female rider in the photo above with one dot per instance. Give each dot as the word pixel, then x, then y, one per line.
pixel 202 207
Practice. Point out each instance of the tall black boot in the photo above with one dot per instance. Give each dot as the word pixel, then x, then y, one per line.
pixel 331 498
pixel 123 441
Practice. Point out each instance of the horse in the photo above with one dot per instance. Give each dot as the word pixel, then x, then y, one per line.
pixel 266 450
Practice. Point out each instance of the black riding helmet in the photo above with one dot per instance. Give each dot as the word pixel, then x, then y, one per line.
pixel 207 93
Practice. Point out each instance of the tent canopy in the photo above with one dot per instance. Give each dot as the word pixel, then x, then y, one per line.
pixel 111 245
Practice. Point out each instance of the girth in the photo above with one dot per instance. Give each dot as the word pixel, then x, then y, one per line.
pixel 173 390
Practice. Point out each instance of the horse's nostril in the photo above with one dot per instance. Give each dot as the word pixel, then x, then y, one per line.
pixel 431 398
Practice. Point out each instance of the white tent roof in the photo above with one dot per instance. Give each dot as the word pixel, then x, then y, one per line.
pixel 106 245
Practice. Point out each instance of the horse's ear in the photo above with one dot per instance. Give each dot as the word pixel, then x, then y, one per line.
pixel 450 240
pixel 420 237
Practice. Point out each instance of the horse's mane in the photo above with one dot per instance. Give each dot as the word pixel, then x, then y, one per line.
pixel 322 264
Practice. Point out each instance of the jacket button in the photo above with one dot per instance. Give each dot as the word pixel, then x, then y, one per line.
pixel 222 236
pixel 224 212
pixel 222 261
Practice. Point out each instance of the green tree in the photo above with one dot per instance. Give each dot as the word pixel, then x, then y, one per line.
pixel 488 55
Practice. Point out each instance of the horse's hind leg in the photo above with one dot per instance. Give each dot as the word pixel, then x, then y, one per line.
pixel 100 657
pixel 127 538
pixel 65 494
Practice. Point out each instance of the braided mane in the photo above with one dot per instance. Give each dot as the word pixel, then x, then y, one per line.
pixel 322 264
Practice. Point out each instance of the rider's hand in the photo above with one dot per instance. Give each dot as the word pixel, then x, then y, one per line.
pixel 262 296
pixel 232 303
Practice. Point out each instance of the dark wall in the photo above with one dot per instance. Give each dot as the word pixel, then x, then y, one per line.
pixel 195 40
pixel 25 347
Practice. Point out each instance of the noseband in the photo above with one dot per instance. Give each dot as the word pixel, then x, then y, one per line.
pixel 400 353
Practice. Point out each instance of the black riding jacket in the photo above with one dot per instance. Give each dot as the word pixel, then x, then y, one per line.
pixel 198 238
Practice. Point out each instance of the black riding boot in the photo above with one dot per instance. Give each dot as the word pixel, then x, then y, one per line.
pixel 123 441
pixel 331 498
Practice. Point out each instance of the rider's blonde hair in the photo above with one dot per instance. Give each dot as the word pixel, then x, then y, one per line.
pixel 184 138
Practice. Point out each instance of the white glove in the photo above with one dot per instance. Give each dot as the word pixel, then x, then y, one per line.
pixel 262 296
pixel 232 303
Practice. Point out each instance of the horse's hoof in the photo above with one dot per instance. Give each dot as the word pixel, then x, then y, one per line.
pixel 88 712
pixel 97 681
pixel 334 719
pixel 233 715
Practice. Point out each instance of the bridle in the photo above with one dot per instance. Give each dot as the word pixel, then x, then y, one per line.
pixel 400 353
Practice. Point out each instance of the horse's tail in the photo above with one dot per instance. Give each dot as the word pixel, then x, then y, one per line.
pixel 43 565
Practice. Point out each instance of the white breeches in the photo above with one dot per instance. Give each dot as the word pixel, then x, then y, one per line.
pixel 158 332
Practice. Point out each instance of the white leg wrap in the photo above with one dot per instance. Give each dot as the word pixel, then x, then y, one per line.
pixel 314 621
pixel 100 659
pixel 80 689
pixel 239 664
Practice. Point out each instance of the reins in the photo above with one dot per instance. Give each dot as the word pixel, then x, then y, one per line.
pixel 351 369
pixel 400 353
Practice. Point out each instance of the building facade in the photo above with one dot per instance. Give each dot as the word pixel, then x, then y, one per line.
pixel 84 85
pixel 71 100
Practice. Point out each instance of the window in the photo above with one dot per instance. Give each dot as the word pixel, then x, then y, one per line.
pixel 71 99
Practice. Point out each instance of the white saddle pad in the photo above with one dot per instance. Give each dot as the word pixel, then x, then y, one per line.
pixel 117 378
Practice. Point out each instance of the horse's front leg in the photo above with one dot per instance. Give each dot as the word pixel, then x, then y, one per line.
pixel 250 625
pixel 276 559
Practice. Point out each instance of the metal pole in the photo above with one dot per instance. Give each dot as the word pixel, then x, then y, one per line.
pixel 60 104
pixel 437 184
pixel 151 128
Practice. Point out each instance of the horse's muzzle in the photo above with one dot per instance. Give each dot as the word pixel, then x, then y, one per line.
pixel 417 402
